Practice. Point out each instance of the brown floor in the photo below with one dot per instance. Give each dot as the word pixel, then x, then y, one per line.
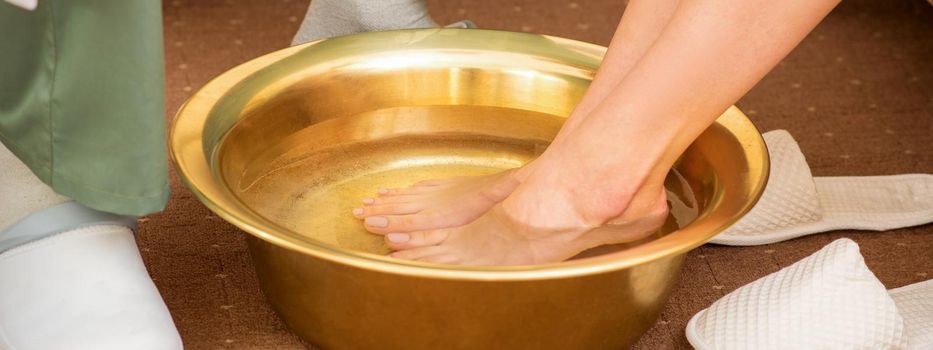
pixel 857 94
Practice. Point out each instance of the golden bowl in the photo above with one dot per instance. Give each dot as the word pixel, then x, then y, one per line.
pixel 283 147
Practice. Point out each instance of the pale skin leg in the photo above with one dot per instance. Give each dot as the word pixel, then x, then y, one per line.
pixel 709 55
pixel 454 202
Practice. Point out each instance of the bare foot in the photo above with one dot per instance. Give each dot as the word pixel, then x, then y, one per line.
pixel 531 226
pixel 436 204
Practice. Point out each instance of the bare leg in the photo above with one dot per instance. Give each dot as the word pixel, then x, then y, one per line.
pixel 639 28
pixel 594 189
pixel 454 202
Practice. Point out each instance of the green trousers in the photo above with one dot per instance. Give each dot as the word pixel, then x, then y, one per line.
pixel 82 98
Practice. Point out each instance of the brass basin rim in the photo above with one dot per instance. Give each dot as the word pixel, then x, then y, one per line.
pixel 187 153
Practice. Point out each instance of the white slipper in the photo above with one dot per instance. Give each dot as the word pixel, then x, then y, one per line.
pixel 829 300
pixel 85 288
pixel 915 303
pixel 795 203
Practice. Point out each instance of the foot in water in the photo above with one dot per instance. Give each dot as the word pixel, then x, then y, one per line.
pixel 543 220
pixel 436 204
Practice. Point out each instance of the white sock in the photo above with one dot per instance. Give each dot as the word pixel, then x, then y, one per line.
pixel 21 192
pixel 330 18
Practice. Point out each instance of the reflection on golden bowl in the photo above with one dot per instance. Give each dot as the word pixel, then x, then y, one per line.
pixel 285 145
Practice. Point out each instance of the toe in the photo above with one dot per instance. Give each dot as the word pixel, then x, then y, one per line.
pixel 388 209
pixel 419 253
pixel 403 223
pixel 400 241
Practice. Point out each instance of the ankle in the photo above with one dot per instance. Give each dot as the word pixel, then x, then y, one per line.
pixel 607 194
pixel 648 202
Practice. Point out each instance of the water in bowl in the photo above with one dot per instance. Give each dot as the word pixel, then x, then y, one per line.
pixel 312 193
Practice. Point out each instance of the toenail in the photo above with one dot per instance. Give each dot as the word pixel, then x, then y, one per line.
pixel 383 190
pixel 368 201
pixel 377 221
pixel 398 237
pixel 357 211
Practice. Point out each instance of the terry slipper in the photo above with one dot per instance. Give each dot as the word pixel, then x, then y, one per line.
pixel 795 203
pixel 84 286
pixel 829 300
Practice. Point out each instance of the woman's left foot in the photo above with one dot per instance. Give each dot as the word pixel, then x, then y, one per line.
pixel 436 204
pixel 538 223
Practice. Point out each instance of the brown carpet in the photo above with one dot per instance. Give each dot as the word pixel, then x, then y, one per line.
pixel 857 94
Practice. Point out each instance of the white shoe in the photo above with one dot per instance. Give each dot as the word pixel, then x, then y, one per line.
pixel 829 300
pixel 796 204
pixel 85 288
